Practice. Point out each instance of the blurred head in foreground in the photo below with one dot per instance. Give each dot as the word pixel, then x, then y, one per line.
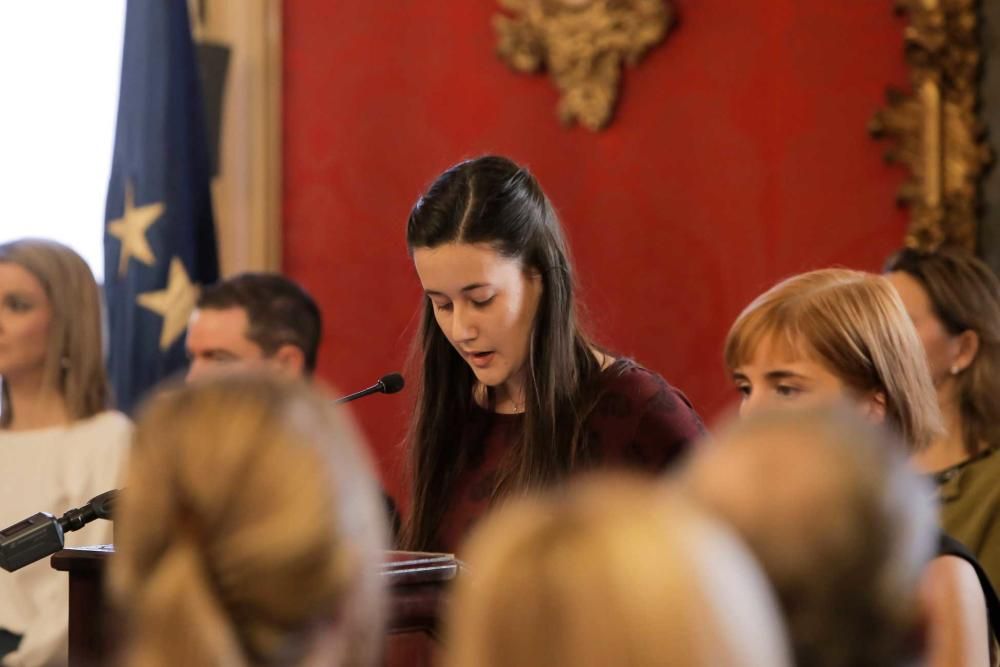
pixel 611 571
pixel 250 530
pixel 838 521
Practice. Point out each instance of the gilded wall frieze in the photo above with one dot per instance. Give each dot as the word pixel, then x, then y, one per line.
pixel 583 44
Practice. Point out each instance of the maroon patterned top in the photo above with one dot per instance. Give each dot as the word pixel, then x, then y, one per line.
pixel 639 422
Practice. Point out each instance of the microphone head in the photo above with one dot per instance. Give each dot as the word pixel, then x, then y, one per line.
pixel 391 383
pixel 103 503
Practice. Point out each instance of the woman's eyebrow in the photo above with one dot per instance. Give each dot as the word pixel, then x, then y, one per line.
pixel 783 374
pixel 467 288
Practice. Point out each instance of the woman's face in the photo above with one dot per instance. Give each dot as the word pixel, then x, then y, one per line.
pixel 25 318
pixel 778 377
pixel 485 305
pixel 942 348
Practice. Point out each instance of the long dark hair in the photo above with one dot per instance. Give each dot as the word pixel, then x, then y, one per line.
pixel 491 200
pixel 965 295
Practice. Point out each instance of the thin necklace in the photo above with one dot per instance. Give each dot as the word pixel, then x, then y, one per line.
pixel 481 392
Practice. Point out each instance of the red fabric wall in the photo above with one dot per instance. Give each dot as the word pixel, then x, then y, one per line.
pixel 738 156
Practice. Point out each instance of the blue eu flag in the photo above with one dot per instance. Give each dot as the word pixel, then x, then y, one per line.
pixel 159 242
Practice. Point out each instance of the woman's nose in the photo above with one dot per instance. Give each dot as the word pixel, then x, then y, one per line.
pixel 462 325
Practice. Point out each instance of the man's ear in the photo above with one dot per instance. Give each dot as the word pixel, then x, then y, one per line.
pixel 291 360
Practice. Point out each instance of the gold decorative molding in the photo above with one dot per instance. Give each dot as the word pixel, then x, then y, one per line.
pixel 583 44
pixel 935 129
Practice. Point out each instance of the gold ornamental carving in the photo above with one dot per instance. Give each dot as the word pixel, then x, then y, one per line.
pixel 934 129
pixel 583 44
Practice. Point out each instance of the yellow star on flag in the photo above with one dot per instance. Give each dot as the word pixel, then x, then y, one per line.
pixel 131 228
pixel 174 303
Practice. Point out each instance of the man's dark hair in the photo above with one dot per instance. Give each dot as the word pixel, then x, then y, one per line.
pixel 279 312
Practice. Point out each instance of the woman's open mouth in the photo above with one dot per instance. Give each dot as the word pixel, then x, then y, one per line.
pixel 480 359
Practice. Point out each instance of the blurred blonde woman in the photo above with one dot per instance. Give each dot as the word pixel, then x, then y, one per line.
pixel 60 445
pixel 836 335
pixel 250 532
pixel 844 540
pixel 612 571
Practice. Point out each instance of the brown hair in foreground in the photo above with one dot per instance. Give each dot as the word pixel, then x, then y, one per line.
pixel 612 571
pixel 841 525
pixel 250 530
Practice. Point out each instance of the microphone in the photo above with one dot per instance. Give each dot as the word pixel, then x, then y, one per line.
pixel 42 535
pixel 387 384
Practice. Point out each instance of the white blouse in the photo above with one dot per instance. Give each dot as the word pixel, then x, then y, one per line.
pixel 53 470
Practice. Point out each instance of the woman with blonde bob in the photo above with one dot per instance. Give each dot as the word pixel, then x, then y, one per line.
pixel 839 335
pixel 250 531
pixel 610 571
pixel 60 445
pixel 837 329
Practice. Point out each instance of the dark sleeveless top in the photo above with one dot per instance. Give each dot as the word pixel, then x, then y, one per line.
pixel 949 546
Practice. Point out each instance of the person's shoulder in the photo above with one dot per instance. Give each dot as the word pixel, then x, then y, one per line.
pixel 657 409
pixel 109 421
pixel 950 581
pixel 105 430
pixel 623 372
pixel 950 573
pixel 641 419
pixel 627 376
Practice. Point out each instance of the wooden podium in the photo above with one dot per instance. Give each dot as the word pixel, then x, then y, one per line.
pixel 417 584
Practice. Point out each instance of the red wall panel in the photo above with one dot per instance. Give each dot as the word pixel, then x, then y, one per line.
pixel 738 156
